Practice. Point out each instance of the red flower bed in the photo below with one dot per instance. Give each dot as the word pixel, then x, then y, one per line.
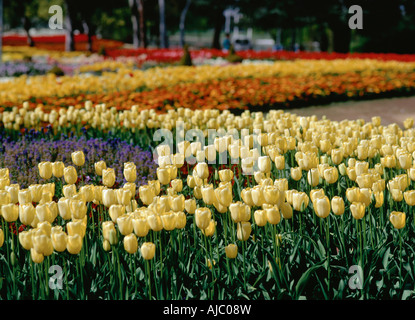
pixel 57 42
pixel 174 55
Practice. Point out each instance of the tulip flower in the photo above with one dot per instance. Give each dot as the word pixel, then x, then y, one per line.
pixel 260 217
pixel 322 207
pixel 300 201
pixel 36 256
pixel 26 213
pixel 243 230
pixel 78 158
pixel 70 175
pixel 210 229
pixel 78 209
pixel 74 244
pixel 58 169
pixel 190 206
pixel 202 217
pixel 398 219
pixel 76 227
pixel 45 170
pixel 10 212
pixel 24 196
pixel 202 170
pixel 108 177
pixel 99 166
pixel 140 226
pixel 13 190
pixel 177 202
pixel 225 175
pixel 1 237
pixel 177 185
pixel 130 243
pixel 59 241
pixel 148 250
pixel 181 219
pixel 273 215
pixel 358 210
pixel 296 173
pixel 231 251
pixel 155 222
pixel 130 172
pixel 286 210
pixel 25 239
pixel 337 205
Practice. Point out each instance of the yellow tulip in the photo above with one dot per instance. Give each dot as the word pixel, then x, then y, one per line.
pixel 190 206
pixel 24 196
pixel 58 169
pixel 231 251
pixel 74 244
pixel 115 211
pixel 409 197
pixel 337 205
pixel 130 172
pixel 148 250
pixel 88 192
pixel 398 219
pixel 177 202
pixel 225 175
pixel 99 166
pixel 223 194
pixel 59 241
pixel 69 190
pixel 10 212
pixel 273 215
pixel 36 256
pixel 243 230
pixel 2 237
pixel 177 185
pixel 202 170
pixel 286 210
pixel 246 195
pixel 45 170
pixel 322 207
pixel 27 213
pixel 264 164
pixel 140 226
pixel 78 158
pixel 331 175
pixel 300 201
pixel 260 217
pixel 296 173
pixel 146 194
pixel 210 229
pixel 130 243
pixel 107 226
pixel 202 217
pixel 70 175
pixel 181 219
pixel 125 224
pixel 78 208
pixel 155 222
pixel 358 210
pixel 25 239
pixel 208 194
pixel 108 177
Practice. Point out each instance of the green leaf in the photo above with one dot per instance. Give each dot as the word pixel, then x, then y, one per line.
pixel 305 277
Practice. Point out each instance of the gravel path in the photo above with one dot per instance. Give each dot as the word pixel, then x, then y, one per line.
pixel 393 110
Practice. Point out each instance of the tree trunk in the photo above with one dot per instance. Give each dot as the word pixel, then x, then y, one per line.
pixel 134 22
pixel 182 21
pixel 70 37
pixel 162 25
pixel 26 26
pixel 341 37
pixel 219 21
pixel 142 26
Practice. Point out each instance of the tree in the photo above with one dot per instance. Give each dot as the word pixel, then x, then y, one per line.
pixel 162 24
pixel 182 22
